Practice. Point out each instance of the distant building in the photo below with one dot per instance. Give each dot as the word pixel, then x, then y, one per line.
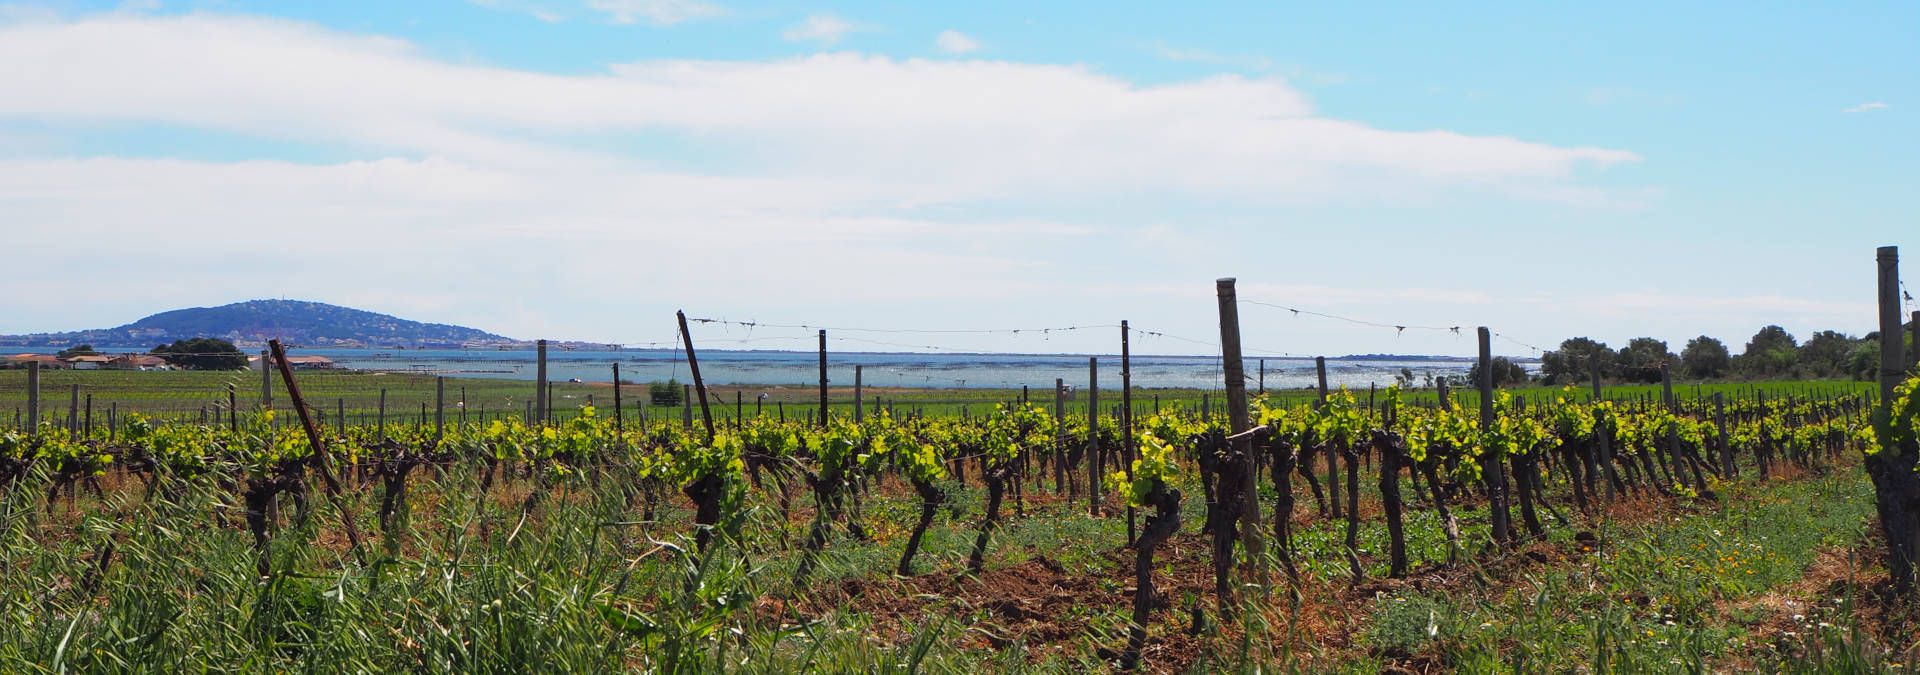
pixel 310 362
pixel 138 362
pixel 45 360
pixel 87 362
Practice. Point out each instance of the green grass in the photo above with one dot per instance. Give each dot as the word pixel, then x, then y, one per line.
pixel 182 395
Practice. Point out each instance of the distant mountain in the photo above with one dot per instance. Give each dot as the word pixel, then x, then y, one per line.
pixel 310 324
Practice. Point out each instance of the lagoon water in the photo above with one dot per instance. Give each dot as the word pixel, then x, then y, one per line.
pixel 881 369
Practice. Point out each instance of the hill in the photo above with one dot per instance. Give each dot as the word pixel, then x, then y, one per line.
pixel 312 324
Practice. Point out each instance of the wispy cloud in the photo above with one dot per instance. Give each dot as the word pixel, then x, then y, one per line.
pixel 657 12
pixel 1867 107
pixel 822 29
pixel 956 42
pixel 1242 61
pixel 538 9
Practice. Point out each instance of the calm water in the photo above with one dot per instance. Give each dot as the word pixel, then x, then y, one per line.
pixel 879 369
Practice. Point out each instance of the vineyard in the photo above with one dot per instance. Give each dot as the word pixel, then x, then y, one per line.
pixel 1350 530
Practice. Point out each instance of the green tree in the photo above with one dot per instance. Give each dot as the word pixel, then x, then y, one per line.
pixel 664 393
pixel 1772 351
pixel 1863 361
pixel 1574 361
pixel 1505 372
pixel 202 353
pixel 1825 354
pixel 1640 360
pixel 77 350
pixel 1705 358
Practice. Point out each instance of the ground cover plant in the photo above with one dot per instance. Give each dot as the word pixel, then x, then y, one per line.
pixel 1626 534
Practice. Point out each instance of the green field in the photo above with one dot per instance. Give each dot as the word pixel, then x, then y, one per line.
pixel 182 395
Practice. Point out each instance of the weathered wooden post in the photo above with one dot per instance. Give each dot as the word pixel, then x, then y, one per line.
pixel 33 396
pixel 1093 435
pixel 693 364
pixel 540 402
pixel 1263 377
pixel 1495 470
pixel 266 378
pixel 1896 486
pixel 320 456
pixel 1333 457
pixel 1126 420
pixel 619 413
pixel 1237 419
pixel 859 403
pixel 1060 436
pixel 823 378
pixel 1727 466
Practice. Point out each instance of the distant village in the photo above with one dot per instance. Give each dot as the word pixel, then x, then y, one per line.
pixel 134 361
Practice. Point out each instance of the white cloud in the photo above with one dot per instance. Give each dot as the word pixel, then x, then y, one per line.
pixel 844 170
pixel 822 29
pixel 919 130
pixel 956 42
pixel 657 12
pixel 1865 107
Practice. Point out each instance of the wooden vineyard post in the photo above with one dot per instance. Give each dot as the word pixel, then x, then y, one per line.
pixel 86 425
pixel 823 378
pixel 540 401
pixel 686 406
pixel 1896 486
pixel 859 407
pixel 319 449
pixel 1727 466
pixel 233 406
pixel 266 378
pixel 619 413
pixel 1603 439
pixel 1126 420
pixel 1060 436
pixel 73 412
pixel 693 364
pixel 1263 377
pixel 739 411
pixel 1333 457
pixel 33 396
pixel 1495 470
pixel 1093 435
pixel 1238 422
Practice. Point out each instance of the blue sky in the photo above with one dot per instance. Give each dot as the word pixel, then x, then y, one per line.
pixel 579 169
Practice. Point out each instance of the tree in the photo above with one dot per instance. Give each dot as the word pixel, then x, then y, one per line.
pixel 1863 361
pixel 1574 361
pixel 1705 358
pixel 77 350
pixel 1505 372
pixel 1640 360
pixel 202 353
pixel 1772 351
pixel 664 393
pixel 1825 354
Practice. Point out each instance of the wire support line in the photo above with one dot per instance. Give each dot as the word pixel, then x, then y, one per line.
pixel 922 331
pixel 1400 327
